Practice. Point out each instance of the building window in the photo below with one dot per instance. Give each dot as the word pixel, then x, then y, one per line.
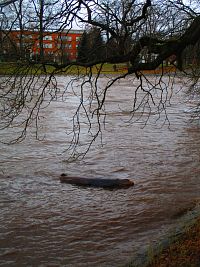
pixel 69 46
pixel 24 36
pixel 47 45
pixel 67 38
pixel 47 38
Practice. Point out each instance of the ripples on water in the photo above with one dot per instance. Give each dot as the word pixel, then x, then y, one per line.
pixel 45 223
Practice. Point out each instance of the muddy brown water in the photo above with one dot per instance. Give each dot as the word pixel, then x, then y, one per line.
pixel 46 223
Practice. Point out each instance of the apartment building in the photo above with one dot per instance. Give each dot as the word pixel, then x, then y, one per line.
pixel 57 46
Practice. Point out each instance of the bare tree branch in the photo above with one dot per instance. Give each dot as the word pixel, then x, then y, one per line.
pixel 141 36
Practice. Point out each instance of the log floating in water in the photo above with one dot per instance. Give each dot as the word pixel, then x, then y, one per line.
pixel 96 182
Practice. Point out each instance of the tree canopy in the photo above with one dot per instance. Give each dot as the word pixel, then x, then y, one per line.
pixel 142 35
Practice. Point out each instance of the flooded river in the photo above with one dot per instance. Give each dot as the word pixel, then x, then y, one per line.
pixel 46 223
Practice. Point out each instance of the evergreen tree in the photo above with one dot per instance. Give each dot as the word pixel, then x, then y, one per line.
pixel 83 49
pixel 91 47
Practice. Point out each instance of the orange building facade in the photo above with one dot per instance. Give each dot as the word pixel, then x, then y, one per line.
pixel 57 46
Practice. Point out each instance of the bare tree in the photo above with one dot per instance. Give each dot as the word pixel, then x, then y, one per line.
pixel 143 34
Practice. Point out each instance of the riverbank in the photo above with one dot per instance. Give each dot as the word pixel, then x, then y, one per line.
pixel 22 68
pixel 181 249
pixel 185 251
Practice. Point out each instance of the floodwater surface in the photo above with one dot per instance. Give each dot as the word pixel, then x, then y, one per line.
pixel 46 223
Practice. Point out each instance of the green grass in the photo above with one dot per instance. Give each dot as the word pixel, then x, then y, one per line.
pixel 6 68
pixel 23 68
pixel 9 68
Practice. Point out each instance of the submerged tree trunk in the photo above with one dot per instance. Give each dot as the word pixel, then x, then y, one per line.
pixel 96 182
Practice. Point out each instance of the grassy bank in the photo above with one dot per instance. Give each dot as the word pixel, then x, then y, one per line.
pixel 183 252
pixel 179 248
pixel 8 68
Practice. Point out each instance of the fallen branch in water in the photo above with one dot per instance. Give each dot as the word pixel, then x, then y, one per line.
pixel 96 182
